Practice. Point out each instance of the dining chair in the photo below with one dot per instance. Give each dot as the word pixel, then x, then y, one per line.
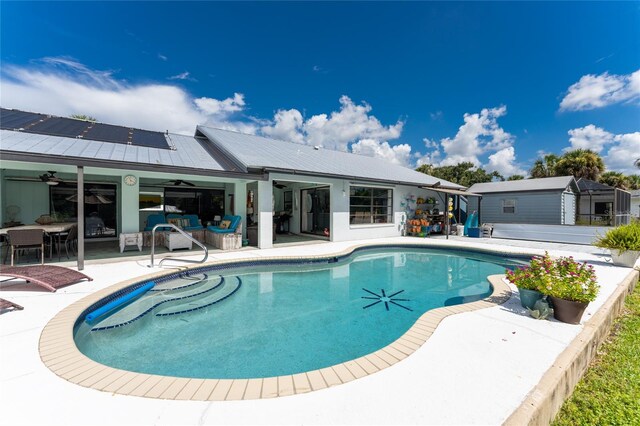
pixel 26 239
pixel 69 242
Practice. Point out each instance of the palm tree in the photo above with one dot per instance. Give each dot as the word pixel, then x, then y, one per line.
pixel 545 167
pixel 581 163
pixel 637 163
pixel 615 179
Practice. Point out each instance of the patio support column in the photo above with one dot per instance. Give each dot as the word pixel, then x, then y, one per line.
pixel 130 206
pixel 265 214
pixel 240 207
pixel 80 218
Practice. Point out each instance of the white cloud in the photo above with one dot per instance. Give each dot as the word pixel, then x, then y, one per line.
pixel 286 125
pixel 504 162
pixel 618 151
pixel 623 153
pixel 589 137
pixel 162 57
pixel 435 116
pixel 396 154
pixel 480 133
pixel 597 91
pixel 63 86
pixel 182 76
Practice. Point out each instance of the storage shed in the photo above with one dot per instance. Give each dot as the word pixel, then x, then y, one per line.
pixel 550 201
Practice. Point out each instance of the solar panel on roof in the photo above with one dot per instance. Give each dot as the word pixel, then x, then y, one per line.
pixel 72 128
pixel 13 119
pixel 150 139
pixel 108 133
pixel 58 126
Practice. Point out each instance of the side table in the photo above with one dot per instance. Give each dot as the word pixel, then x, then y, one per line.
pixel 130 239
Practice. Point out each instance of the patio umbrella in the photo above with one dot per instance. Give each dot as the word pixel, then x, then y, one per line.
pixel 90 199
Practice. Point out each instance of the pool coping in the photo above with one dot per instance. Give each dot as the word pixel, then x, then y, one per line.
pixel 60 354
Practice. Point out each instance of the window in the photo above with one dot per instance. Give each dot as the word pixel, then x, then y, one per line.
pixel 508 206
pixel 100 208
pixel 370 205
pixel 206 203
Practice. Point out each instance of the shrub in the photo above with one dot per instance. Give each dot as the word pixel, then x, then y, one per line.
pixel 621 238
pixel 562 277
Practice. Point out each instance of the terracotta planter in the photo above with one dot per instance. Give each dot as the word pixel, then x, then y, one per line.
pixel 528 298
pixel 567 310
pixel 626 258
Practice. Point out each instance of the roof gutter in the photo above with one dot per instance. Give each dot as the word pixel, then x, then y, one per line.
pixel 356 178
pixel 123 165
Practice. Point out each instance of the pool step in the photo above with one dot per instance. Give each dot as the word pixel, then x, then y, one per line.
pixel 189 305
pixel 151 301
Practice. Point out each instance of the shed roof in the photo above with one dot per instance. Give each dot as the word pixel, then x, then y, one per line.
pixel 559 183
pixel 591 185
pixel 256 152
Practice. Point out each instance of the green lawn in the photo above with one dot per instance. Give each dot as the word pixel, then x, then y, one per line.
pixel 609 392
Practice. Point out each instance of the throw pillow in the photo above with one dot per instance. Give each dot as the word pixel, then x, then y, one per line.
pixel 184 223
pixel 175 221
pixel 225 224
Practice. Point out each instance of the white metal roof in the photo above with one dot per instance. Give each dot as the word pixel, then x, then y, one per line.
pixel 256 152
pixel 559 183
pixel 189 152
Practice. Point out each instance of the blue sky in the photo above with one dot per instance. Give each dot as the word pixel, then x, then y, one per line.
pixel 493 83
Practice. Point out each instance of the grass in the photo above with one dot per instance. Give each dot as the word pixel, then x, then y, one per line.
pixel 609 392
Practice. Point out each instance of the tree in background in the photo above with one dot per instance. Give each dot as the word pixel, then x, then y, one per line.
pixel 465 174
pixel 83 117
pixel 634 181
pixel 615 179
pixel 544 167
pixel 581 163
pixel 515 177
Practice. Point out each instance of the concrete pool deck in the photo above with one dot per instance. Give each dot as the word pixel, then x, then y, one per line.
pixel 477 367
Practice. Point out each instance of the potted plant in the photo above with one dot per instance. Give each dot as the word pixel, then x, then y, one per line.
pixel 624 243
pixel 527 279
pixel 570 285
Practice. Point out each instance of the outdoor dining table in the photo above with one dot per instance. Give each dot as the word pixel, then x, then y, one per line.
pixel 52 229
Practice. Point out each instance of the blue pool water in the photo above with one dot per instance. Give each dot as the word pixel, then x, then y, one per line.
pixel 274 320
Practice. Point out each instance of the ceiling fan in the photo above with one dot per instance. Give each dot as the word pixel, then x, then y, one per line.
pixel 279 185
pixel 50 178
pixel 178 182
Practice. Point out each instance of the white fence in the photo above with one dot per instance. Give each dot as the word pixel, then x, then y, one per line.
pixel 551 233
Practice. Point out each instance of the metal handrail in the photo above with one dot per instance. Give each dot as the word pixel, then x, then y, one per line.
pixel 170 225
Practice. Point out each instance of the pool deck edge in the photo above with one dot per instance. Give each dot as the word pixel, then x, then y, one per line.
pixel 544 401
pixel 60 354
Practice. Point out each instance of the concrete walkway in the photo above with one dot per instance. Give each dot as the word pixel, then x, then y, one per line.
pixel 476 368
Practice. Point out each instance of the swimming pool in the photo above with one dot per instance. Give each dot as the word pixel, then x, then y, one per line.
pixel 281 319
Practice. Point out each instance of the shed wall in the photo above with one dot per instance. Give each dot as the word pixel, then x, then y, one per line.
pixel 543 207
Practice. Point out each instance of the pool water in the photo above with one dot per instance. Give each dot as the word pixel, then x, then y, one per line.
pixel 278 320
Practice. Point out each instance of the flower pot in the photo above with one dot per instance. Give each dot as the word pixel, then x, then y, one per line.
pixel 528 298
pixel 567 310
pixel 625 258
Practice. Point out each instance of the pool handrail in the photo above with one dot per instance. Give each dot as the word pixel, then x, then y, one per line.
pixel 190 237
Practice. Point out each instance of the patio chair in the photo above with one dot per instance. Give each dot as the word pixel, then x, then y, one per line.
pixel 70 241
pixel 194 222
pixel 26 239
pixel 156 219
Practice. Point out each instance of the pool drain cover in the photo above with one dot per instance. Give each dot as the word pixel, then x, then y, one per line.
pixel 383 298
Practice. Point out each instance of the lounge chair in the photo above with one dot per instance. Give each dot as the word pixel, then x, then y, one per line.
pixel 5 304
pixel 234 221
pixel 47 276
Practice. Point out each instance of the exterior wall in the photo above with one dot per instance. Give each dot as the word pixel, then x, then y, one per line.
pixel 635 206
pixel 544 207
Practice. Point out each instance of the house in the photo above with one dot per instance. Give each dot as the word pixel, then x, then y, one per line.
pixel 127 174
pixel 635 203
pixel 602 204
pixel 550 201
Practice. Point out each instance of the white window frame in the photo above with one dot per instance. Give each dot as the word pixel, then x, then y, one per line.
pixel 509 203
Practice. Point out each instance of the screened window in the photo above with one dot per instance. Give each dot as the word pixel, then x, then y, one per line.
pixel 100 208
pixel 370 205
pixel 508 206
